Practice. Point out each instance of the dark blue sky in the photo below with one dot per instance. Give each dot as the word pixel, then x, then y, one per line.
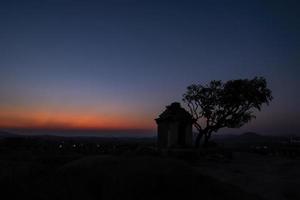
pixel 76 63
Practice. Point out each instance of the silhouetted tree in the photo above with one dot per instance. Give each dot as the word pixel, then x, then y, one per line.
pixel 230 104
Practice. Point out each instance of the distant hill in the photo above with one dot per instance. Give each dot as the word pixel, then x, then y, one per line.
pixel 251 137
pixel 5 134
pixel 250 134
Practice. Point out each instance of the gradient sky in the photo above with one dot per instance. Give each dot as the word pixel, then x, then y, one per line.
pixel 116 64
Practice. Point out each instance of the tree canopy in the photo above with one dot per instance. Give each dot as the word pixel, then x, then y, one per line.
pixel 230 104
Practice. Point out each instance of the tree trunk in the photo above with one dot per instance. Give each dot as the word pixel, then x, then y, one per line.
pixel 205 143
pixel 198 139
pixel 206 139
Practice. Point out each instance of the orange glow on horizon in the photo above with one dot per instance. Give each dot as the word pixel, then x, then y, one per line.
pixel 64 120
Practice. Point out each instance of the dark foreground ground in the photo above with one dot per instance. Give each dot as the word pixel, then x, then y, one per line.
pixel 59 168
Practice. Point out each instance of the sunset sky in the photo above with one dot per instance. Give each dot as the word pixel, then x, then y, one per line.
pixel 115 65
